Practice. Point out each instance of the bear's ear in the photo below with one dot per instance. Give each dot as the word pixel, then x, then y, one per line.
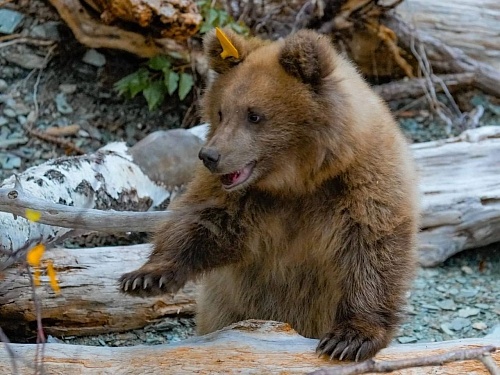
pixel 226 49
pixel 308 56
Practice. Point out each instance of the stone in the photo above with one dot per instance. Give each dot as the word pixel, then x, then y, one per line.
pixel 9 112
pixel 467 270
pixel 468 311
pixel 407 339
pixel 445 327
pixel 458 324
pixel 94 58
pixel 3 85
pixel 479 326
pixel 9 20
pixel 62 105
pixel 26 60
pixel 10 161
pixel 68 88
pixel 447 304
pixel 48 30
pixel 482 306
pixel 3 121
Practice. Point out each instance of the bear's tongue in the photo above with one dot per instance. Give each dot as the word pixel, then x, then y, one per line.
pixel 237 177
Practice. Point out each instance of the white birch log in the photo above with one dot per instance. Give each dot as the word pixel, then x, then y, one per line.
pixel 471 25
pixel 249 347
pixel 113 178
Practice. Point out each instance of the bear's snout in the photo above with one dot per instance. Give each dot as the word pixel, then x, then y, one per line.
pixel 210 158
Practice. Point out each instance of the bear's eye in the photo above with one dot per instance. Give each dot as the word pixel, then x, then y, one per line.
pixel 220 116
pixel 254 118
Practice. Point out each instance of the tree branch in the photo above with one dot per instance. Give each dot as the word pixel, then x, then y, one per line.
pixel 371 365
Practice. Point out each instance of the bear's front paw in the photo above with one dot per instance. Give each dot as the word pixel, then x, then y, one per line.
pixel 345 342
pixel 146 282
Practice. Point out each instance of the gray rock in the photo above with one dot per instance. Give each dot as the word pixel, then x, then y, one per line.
pixel 3 85
pixel 468 311
pixel 458 324
pixel 26 60
pixel 21 109
pixel 92 57
pixel 407 339
pixel 9 161
pixel 468 293
pixel 482 306
pixel 22 119
pixel 480 326
pixel 9 20
pixel 445 327
pixel 9 112
pixel 447 304
pixel 68 88
pixel 47 30
pixel 430 307
pixel 62 105
pixel 3 121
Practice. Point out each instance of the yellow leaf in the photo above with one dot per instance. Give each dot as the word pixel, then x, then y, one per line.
pixel 34 255
pixel 33 215
pixel 228 49
pixel 52 277
pixel 36 277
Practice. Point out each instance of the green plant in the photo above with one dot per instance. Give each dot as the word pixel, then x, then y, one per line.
pixel 161 76
pixel 155 80
pixel 214 16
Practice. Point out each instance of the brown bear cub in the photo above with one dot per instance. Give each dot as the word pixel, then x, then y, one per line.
pixel 306 209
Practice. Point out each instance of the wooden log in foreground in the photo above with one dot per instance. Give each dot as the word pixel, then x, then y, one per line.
pixel 249 347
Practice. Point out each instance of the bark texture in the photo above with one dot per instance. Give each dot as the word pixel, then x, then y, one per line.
pixel 249 347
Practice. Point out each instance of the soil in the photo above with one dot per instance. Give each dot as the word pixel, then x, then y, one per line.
pixel 460 298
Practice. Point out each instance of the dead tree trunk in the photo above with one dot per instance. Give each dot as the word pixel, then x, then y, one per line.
pixel 249 347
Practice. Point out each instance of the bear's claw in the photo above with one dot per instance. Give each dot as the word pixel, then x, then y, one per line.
pixel 144 284
pixel 346 343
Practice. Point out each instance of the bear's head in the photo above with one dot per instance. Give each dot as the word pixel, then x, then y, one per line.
pixel 277 115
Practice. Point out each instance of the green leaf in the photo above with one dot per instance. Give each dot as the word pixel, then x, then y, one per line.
pixel 185 85
pixel 154 94
pixel 212 16
pixel 159 62
pixel 139 83
pixel 205 27
pixel 132 84
pixel 172 82
pixel 223 18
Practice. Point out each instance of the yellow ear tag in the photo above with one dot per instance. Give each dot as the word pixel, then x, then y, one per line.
pixel 228 50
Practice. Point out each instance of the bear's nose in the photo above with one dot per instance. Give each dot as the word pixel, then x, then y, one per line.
pixel 210 157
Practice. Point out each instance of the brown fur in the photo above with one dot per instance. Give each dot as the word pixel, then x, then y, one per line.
pixel 322 234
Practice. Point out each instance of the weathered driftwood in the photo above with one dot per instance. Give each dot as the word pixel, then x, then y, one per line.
pixel 249 347
pixel 89 302
pixel 461 210
pixel 415 87
pixel 460 183
pixel 471 25
pixel 444 58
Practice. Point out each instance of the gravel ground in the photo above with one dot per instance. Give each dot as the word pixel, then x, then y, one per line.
pixel 458 299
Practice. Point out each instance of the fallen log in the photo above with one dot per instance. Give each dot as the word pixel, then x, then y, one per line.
pixel 416 87
pixel 250 347
pixel 442 57
pixel 445 20
pixel 460 185
pixel 89 302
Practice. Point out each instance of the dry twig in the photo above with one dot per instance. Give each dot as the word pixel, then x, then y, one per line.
pixel 371 365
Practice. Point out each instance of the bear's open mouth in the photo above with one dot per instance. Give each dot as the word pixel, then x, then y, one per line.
pixel 238 177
